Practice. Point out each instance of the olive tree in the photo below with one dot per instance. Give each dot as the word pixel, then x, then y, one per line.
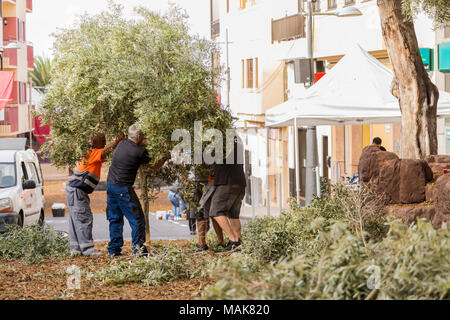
pixel 417 95
pixel 110 72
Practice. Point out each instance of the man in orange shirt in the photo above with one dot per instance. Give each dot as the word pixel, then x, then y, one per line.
pixel 83 182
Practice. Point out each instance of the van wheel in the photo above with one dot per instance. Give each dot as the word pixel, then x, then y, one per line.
pixel 20 220
pixel 41 219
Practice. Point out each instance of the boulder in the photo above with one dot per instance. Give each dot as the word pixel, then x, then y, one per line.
pixel 412 181
pixel 442 194
pixel 379 170
pixel 437 163
pixel 429 192
pixel 410 213
pixel 395 180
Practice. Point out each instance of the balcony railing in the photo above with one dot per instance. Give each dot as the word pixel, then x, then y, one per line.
pixel 11 121
pixel 10 58
pixel 215 29
pixel 288 28
pixel 29 6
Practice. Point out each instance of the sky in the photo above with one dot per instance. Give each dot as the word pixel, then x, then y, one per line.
pixel 49 15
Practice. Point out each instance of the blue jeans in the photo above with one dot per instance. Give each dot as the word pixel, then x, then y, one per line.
pixel 175 201
pixel 123 201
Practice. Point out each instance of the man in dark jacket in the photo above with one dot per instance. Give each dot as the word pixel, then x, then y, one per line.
pixel 226 202
pixel 122 200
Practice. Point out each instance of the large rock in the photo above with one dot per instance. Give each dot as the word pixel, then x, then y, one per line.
pixel 395 180
pixel 410 213
pixel 438 163
pixel 379 170
pixel 412 181
pixel 429 192
pixel 442 194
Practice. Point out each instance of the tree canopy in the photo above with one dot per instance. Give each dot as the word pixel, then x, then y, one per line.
pixel 110 72
pixel 437 10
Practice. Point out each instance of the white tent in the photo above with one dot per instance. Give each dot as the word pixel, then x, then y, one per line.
pixel 356 91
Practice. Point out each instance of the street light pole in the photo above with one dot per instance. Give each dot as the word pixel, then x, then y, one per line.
pixel 311 132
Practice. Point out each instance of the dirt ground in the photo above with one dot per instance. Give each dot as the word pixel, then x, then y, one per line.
pixel 48 281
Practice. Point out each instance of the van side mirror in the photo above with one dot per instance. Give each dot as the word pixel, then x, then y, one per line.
pixel 29 184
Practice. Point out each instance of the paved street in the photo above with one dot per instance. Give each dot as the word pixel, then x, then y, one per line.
pixel 159 229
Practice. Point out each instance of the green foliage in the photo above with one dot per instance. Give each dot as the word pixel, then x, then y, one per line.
pixel 437 10
pixel 32 244
pixel 413 263
pixel 41 75
pixel 298 230
pixel 163 265
pixel 110 72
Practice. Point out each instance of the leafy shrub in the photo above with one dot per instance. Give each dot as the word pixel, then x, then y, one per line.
pixel 164 264
pixel 298 230
pixel 410 263
pixel 32 244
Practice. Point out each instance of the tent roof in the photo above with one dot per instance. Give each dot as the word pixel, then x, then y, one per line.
pixel 356 91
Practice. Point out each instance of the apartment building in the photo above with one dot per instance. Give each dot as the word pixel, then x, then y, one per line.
pixel 262 45
pixel 440 62
pixel 15 119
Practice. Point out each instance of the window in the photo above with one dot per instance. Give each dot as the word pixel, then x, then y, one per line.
pixel 7 175
pixel 249 73
pixel 243 4
pixel 447 31
pixel 33 173
pixel 256 72
pixel 349 2
pixel 25 173
pixel 447 82
pixel 22 92
pixel 332 4
pixel 21 29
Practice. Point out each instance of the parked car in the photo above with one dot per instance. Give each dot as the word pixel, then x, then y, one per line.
pixel 22 199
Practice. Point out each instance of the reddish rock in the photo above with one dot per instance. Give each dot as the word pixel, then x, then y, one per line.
pixel 437 163
pixel 442 194
pixel 429 192
pixel 412 181
pixel 380 171
pixel 410 214
pixel 440 218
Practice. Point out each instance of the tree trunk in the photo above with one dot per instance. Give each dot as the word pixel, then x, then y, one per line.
pixel 144 196
pixel 417 95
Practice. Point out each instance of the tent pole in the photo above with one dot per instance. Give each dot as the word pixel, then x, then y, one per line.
pixel 297 162
pixel 267 172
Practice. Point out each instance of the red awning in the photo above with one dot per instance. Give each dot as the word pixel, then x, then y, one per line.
pixel 6 88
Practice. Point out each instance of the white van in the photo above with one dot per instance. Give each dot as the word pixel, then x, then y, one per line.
pixel 21 185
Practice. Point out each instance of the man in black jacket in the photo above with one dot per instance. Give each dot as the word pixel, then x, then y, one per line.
pixel 226 202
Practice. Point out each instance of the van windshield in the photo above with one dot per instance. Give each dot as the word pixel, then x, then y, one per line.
pixel 7 175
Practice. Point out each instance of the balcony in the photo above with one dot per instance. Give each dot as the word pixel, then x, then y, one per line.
pixel 10 30
pixel 29 6
pixel 10 123
pixel 10 59
pixel 215 29
pixel 288 28
pixel 30 56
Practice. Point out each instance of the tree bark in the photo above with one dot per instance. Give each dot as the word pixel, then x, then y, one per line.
pixel 417 95
pixel 144 196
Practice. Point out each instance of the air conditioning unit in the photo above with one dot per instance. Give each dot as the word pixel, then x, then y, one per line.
pixel 303 71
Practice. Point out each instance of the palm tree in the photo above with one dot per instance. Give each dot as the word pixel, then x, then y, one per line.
pixel 41 74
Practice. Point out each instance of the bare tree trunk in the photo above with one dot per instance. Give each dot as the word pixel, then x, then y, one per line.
pixel 417 95
pixel 144 197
